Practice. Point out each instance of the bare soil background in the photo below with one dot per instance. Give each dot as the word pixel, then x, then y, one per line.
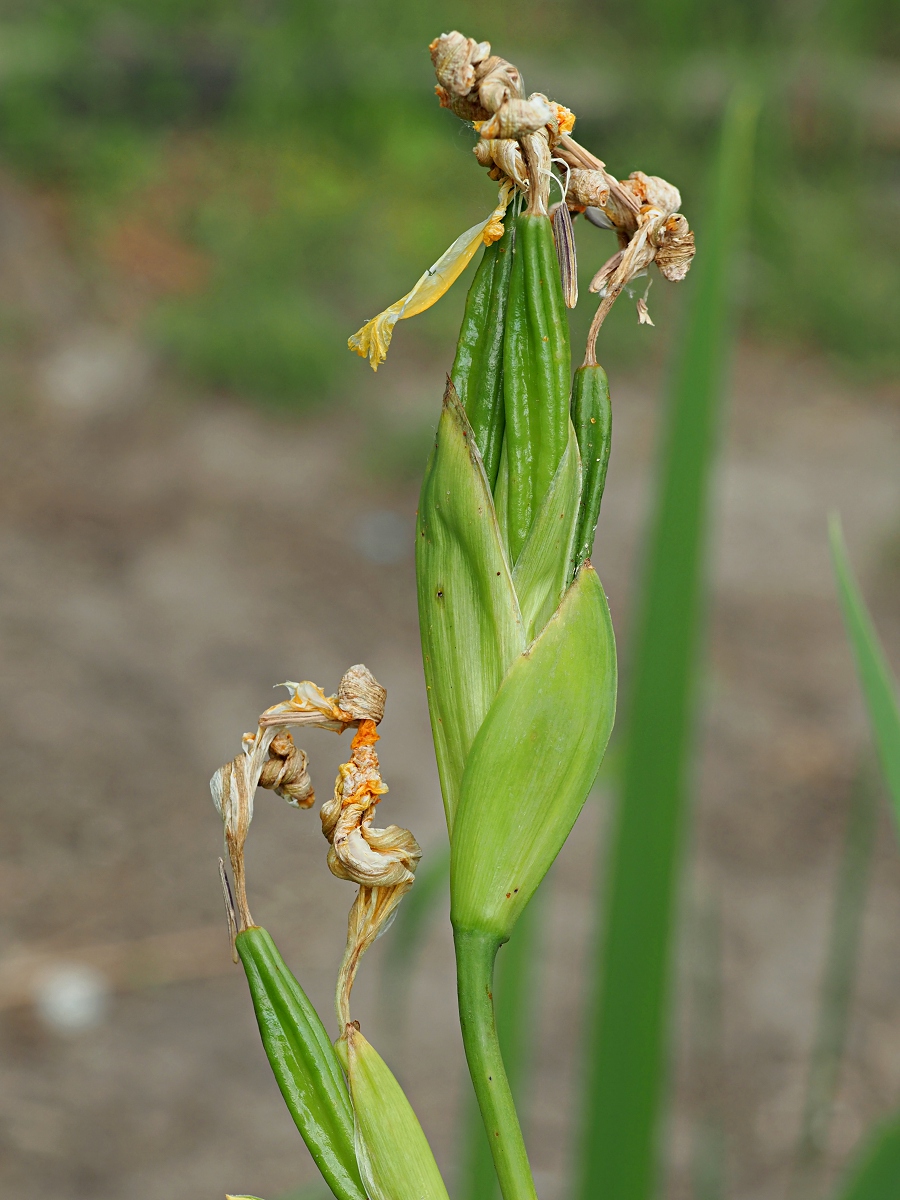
pixel 167 557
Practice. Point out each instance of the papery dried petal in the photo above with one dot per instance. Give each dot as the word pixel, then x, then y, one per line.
pixel 285 773
pixel 650 189
pixel 675 248
pixel 374 338
pixel 497 81
pixel 467 108
pixel 587 187
pixel 361 695
pixel 514 118
pixel 454 58
pixel 643 312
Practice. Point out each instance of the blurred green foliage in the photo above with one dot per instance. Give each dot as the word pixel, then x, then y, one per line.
pixel 273 172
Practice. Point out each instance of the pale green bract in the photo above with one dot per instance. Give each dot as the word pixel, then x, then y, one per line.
pixel 521 675
pixel 468 612
pixel 534 761
pixel 395 1160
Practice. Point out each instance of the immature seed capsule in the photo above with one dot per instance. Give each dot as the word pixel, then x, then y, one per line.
pixel 536 375
pixel 477 370
pixel 303 1061
pixel 592 418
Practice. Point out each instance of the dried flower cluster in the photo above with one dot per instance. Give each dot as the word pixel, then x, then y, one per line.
pixel 520 138
pixel 382 862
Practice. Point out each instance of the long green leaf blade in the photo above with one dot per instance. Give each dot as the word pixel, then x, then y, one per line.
pixel 878 685
pixel 630 1023
pixel 876 1174
pixel 468 613
pixel 837 987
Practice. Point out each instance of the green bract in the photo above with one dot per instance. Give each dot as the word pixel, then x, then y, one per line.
pixel 534 761
pixel 468 613
pixel 393 1153
pixel 304 1063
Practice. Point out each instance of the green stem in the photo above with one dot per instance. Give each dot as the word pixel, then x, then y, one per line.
pixel 475 955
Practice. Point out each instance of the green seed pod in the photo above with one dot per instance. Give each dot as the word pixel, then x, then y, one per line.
pixel 592 418
pixel 543 570
pixel 394 1157
pixel 477 370
pixel 536 375
pixel 304 1063
pixel 533 762
pixel 468 613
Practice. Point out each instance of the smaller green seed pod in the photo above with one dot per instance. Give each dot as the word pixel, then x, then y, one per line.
pixel 394 1157
pixel 592 418
pixel 477 370
pixel 304 1063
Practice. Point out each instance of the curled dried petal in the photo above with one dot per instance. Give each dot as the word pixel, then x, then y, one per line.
pixel 650 189
pixel 455 58
pixel 498 81
pixel 467 108
pixel 286 774
pixel 506 155
pixel 514 118
pixel 308 705
pixel 589 188
pixel 675 248
pixel 361 695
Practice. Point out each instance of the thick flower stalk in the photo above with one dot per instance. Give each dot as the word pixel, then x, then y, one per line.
pixel 518 645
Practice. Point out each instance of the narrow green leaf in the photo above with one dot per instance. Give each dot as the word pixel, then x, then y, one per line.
pixel 878 685
pixel 837 987
pixel 876 1173
pixel 393 1153
pixel 544 567
pixel 533 762
pixel 628 1027
pixel 468 613
pixel 303 1062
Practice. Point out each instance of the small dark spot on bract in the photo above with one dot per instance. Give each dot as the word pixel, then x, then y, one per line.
pixel 440 595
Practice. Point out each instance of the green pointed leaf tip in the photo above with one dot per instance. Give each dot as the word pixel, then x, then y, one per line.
pixel 876 1173
pixel 394 1157
pixel 468 612
pixel 534 761
pixel 544 566
pixel 303 1062
pixel 878 685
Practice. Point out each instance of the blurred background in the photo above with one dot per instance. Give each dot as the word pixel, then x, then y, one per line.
pixel 202 493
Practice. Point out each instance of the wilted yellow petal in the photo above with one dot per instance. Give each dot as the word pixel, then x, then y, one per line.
pixel 375 336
